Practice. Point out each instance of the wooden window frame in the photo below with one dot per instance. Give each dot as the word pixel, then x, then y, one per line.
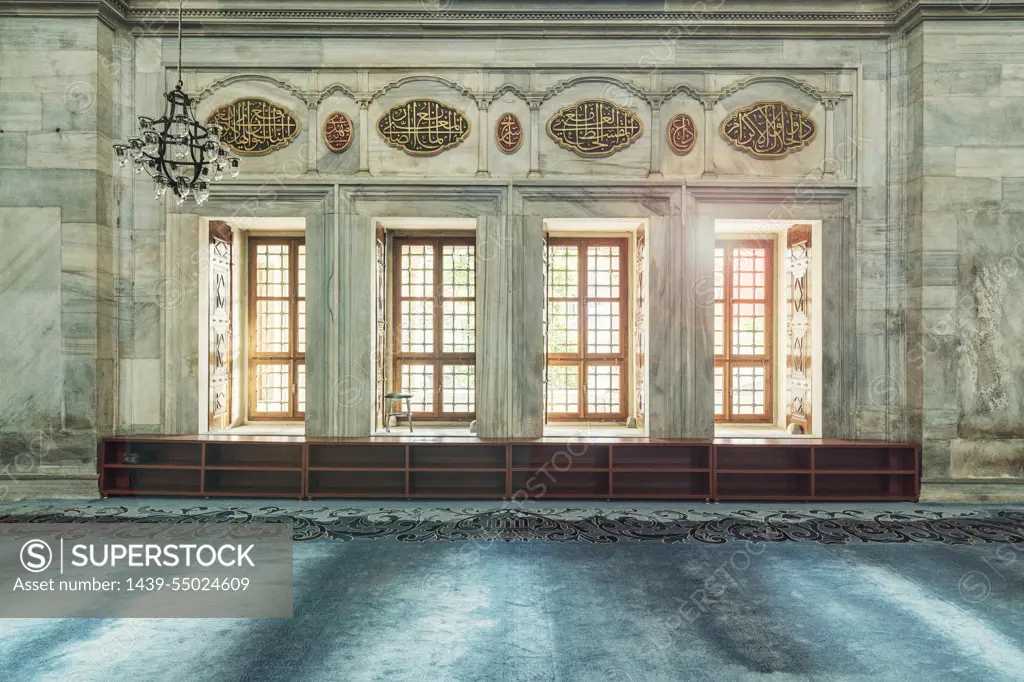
pixel 438 358
pixel 583 359
pixel 728 360
pixel 293 358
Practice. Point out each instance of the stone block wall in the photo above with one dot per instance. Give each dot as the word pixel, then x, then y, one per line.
pixel 56 253
pixel 967 81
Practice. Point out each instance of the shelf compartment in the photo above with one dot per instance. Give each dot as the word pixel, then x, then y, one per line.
pixel 860 458
pixel 860 486
pixel 763 486
pixel 356 456
pixel 154 453
pixel 254 455
pixel 658 484
pixel 255 483
pixel 551 483
pixel 661 457
pixel 745 457
pixel 457 484
pixel 152 481
pixel 570 455
pixel 457 456
pixel 361 483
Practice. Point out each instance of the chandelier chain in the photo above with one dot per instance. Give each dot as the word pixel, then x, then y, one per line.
pixel 177 151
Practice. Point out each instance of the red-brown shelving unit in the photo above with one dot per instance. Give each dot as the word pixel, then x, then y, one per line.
pixel 282 466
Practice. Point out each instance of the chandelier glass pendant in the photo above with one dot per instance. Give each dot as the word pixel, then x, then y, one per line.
pixel 176 150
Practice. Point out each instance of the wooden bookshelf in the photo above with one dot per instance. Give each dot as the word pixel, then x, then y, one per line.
pixel 448 468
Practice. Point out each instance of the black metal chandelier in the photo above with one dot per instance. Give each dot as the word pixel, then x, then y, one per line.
pixel 176 150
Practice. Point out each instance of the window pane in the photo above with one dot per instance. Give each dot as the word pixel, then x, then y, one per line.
pixel 272 270
pixel 273 387
pixel 300 382
pixel 603 389
pixel 419 381
pixel 603 272
pixel 719 274
pixel 748 273
pixel 458 388
pixel 459 271
pixel 563 389
pixel 302 271
pixel 719 391
pixel 417 270
pixel 459 326
pixel 417 326
pixel 748 329
pixel 603 333
pixel 302 327
pixel 563 272
pixel 563 327
pixel 748 394
pixel 719 329
pixel 272 332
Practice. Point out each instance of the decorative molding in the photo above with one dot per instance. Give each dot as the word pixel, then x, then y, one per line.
pixel 336 87
pixel 800 85
pixel 607 80
pixel 423 127
pixel 465 92
pixel 769 129
pixel 307 98
pixel 741 18
pixel 338 132
pixel 508 87
pixel 508 133
pixel 253 126
pixel 694 94
pixel 583 128
pixel 682 134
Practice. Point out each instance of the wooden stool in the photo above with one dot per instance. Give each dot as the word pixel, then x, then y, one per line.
pixel 391 398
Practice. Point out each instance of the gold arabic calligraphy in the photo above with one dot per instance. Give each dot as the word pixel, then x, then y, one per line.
pixel 338 132
pixel 254 127
pixel 508 133
pixel 595 128
pixel 682 134
pixel 423 127
pixel 769 130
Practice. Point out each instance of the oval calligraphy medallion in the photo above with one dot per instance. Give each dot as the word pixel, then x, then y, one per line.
pixel 682 134
pixel 595 128
pixel 338 132
pixel 769 129
pixel 251 126
pixel 508 133
pixel 423 127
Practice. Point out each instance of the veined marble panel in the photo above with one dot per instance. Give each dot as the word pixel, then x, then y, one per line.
pixel 141 401
pixel 13 150
pixel 21 112
pixel 991 355
pixel 17 33
pixel 30 302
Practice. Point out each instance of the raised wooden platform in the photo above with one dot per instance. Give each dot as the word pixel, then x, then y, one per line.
pixel 549 468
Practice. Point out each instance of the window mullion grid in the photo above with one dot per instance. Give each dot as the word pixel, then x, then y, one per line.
pixel 257 357
pixel 604 359
pixel 582 253
pixel 730 360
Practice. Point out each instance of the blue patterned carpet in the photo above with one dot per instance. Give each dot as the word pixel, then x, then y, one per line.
pixel 931 601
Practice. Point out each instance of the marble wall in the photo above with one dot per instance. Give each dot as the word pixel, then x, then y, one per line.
pixel 57 300
pixel 914 172
pixel 842 86
pixel 966 87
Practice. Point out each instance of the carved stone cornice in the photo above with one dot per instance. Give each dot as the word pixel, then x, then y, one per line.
pixel 317 18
